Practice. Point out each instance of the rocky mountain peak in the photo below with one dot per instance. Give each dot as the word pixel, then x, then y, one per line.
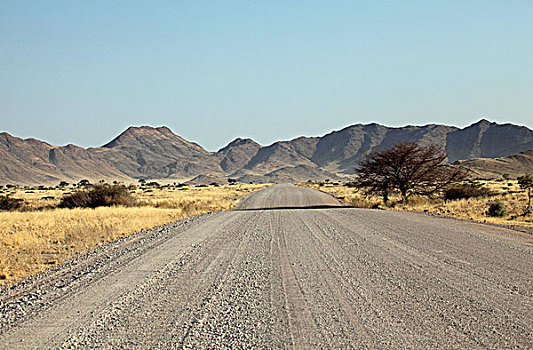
pixel 142 132
pixel 483 121
pixel 239 142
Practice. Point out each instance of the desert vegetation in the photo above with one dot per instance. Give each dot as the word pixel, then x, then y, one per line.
pixel 526 183
pixel 421 179
pixel 498 201
pixel 409 176
pixel 43 226
pixel 407 168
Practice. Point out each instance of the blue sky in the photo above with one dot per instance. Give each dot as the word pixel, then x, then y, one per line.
pixel 82 71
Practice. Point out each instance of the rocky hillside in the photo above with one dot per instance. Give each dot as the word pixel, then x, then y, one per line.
pixel 488 140
pixel 157 153
pixel 515 165
pixel 32 161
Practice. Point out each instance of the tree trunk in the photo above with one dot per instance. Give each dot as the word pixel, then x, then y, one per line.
pixel 529 200
pixel 385 196
pixel 404 196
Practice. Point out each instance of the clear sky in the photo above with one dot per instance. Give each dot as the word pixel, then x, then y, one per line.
pixel 82 71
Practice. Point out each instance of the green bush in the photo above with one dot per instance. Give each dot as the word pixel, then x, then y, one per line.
pixel 99 196
pixel 497 208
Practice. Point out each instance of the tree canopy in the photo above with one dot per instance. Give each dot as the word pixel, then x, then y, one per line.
pixel 408 168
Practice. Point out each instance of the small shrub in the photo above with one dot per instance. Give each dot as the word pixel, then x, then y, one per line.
pixel 76 200
pixel 466 191
pixel 99 196
pixel 497 208
pixel 8 203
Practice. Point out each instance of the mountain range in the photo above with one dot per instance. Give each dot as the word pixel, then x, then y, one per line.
pixel 157 153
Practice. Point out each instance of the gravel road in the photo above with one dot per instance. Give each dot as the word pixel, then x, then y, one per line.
pixel 288 269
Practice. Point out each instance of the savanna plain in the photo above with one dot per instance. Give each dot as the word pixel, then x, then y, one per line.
pixel 38 234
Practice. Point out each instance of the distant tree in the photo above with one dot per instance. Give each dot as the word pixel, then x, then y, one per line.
pixel 63 184
pixel 408 168
pixel 142 181
pixel 526 183
pixel 232 181
pixel 84 183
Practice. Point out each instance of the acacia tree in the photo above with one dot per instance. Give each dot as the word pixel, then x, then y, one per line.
pixel 526 183
pixel 408 168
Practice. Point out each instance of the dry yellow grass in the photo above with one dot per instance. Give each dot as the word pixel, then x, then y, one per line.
pixel 33 240
pixel 507 191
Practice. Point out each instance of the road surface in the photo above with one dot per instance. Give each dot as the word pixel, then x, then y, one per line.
pixel 289 269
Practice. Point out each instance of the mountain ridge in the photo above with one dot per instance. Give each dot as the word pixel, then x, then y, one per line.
pixel 514 165
pixel 146 152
